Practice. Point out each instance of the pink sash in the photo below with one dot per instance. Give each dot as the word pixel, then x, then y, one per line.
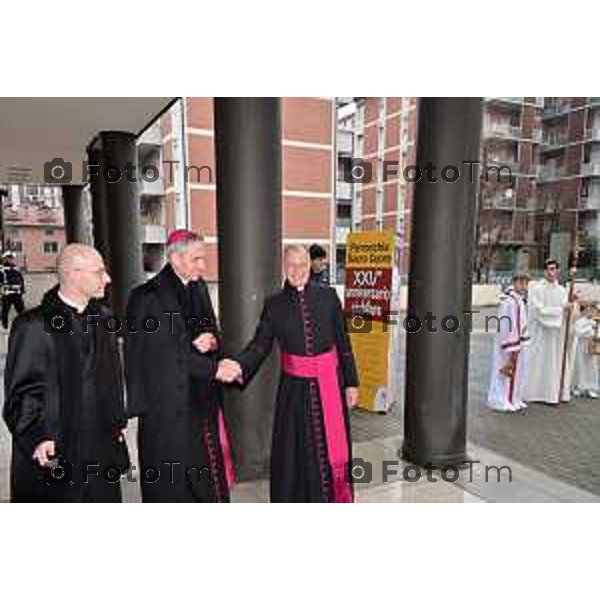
pixel 226 450
pixel 323 367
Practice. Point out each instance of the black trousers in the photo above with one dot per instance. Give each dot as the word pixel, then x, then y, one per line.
pixel 9 300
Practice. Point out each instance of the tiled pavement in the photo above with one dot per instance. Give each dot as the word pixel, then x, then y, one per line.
pixel 562 442
pixel 554 453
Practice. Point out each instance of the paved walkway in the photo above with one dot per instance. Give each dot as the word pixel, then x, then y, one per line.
pixel 561 442
pixel 553 453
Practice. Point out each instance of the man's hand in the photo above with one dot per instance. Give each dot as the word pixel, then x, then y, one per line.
pixel 205 342
pixel 229 371
pixel 44 452
pixel 352 396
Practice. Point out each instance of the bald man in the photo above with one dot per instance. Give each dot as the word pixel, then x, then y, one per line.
pixel 63 391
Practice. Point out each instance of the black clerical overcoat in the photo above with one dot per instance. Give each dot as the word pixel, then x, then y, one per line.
pixel 171 388
pixel 305 323
pixel 65 387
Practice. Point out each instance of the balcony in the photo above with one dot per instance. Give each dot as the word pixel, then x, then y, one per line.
pixel 554 141
pixel 495 128
pixel 498 202
pixel 152 212
pixel 343 190
pixel 590 169
pixel 529 236
pixel 514 167
pixel 154 234
pixel 341 233
pixel 516 101
pixel 548 172
pixel 591 202
pixel 345 142
pixel 504 235
pixel 151 188
pixel 511 237
pixel 593 135
pixel 510 99
pixel 559 108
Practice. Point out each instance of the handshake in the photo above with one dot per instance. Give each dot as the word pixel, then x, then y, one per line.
pixel 229 370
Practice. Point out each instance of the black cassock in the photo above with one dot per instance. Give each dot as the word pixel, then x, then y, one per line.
pixel 171 388
pixel 307 323
pixel 65 387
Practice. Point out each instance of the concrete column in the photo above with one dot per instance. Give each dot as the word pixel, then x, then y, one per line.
pixel 248 161
pixel 116 212
pixel 441 265
pixel 98 195
pixel 76 218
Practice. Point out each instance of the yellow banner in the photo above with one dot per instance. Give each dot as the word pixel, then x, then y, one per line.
pixel 367 294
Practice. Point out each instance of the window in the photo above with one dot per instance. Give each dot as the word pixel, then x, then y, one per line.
pixel 48 231
pixel 344 210
pixel 50 247
pixel 15 246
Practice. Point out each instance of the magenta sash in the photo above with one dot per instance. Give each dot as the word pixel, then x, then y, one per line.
pixel 226 450
pixel 323 367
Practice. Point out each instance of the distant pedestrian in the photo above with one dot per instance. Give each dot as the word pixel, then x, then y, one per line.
pixel 13 287
pixel 318 268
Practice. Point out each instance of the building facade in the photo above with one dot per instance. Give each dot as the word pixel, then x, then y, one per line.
pixel 510 156
pixel 568 204
pixel 182 142
pixel 385 135
pixel 33 226
pixel 539 186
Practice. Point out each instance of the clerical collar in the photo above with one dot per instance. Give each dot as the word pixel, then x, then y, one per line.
pixel 78 307
pixel 293 288
pixel 184 282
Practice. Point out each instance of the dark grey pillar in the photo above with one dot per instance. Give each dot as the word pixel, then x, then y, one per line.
pixel 248 161
pixel 99 207
pixel 76 217
pixel 441 264
pixel 3 196
pixel 119 214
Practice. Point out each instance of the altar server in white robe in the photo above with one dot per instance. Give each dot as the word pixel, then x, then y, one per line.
pixel 585 365
pixel 507 383
pixel 547 310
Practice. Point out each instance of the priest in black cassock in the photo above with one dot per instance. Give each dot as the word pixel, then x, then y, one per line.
pixel 311 446
pixel 171 385
pixel 63 391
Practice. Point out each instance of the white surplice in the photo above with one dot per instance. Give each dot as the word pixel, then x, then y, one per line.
pixel 506 393
pixel 544 355
pixel 585 365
